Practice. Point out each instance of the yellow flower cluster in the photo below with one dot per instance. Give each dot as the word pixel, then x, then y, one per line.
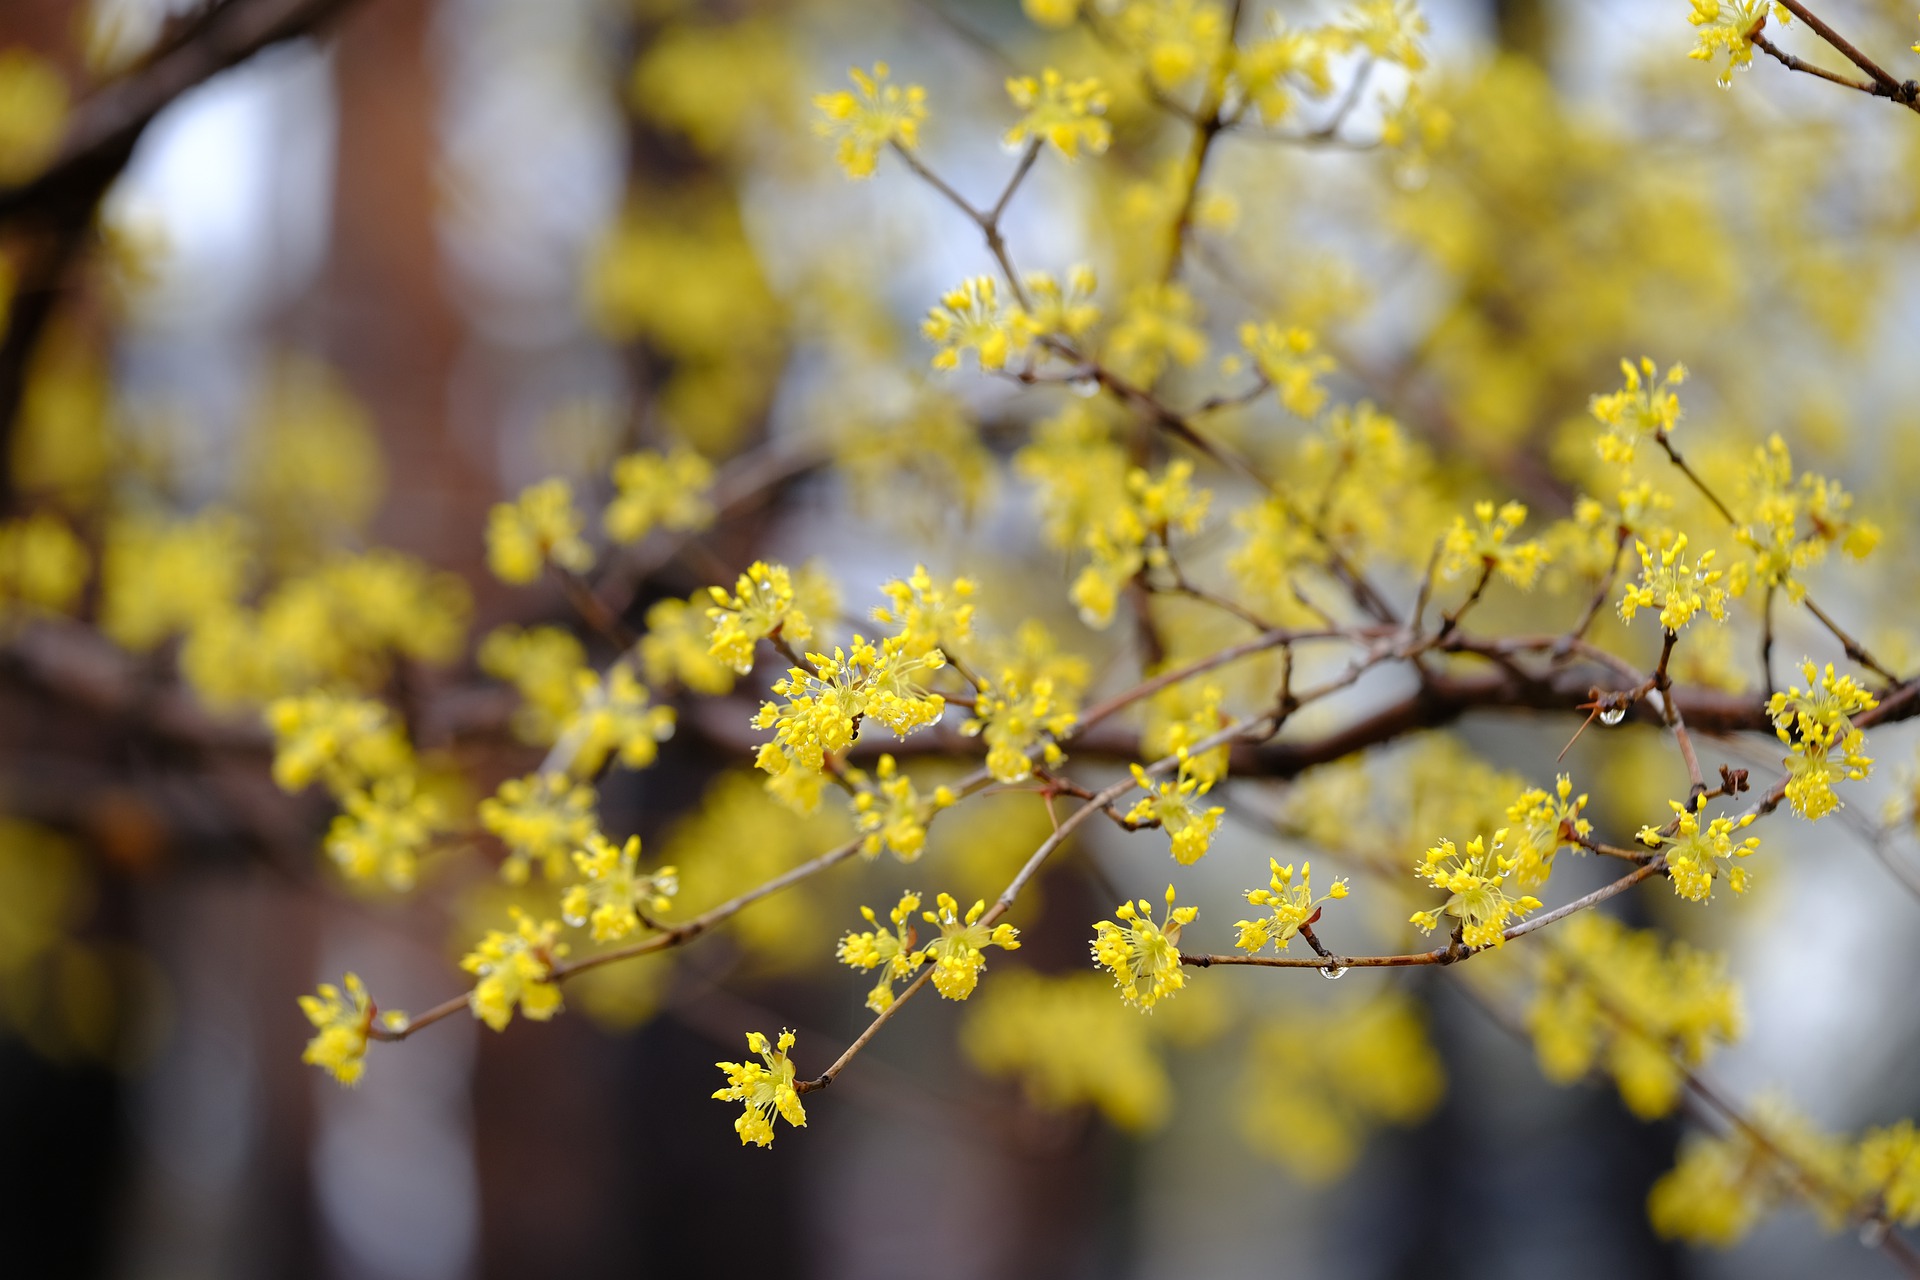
pixel 879 115
pixel 1645 406
pixel 890 811
pixel 928 615
pixel 1475 880
pixel 1177 719
pixel 544 664
pixel 1135 535
pixel 342 1024
pixel 1816 723
pixel 43 565
pixel 1172 806
pixel 540 527
pixel 1316 1081
pixel 614 896
pixel 766 1087
pixel 1728 26
pixel 1290 907
pixel 1142 955
pixel 761 605
pixel 1071 1044
pixel 613 715
pixel 1290 359
pixel 659 491
pixel 515 969
pixel 1540 825
pixel 1770 530
pixel 1697 856
pixel 541 819
pixel 1614 997
pixel 1484 546
pixel 1066 113
pixel 959 953
pixel 888 950
pixel 1677 589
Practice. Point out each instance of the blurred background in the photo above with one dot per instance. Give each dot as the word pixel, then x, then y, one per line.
pixel 404 257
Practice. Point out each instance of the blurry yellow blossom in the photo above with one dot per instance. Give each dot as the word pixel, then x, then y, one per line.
pixel 1071 1044
pixel 544 664
pixel 1066 113
pixel 1815 723
pixel 1051 13
pixel 614 715
pixel 1475 882
pixel 540 526
pixel 1056 311
pixel 1889 1165
pixel 1177 718
pixel 764 1088
pixel 1016 715
pixel 1483 546
pixel 959 953
pixel 342 1023
pixel 43 565
pixel 1175 39
pixel 892 814
pixel 383 832
pixel 1142 955
pixel 1287 60
pixel 1389 30
pixel 541 819
pixel 1159 322
pixel 159 577
pixel 1317 1080
pixel 675 649
pixel 888 950
pixel 33 114
pixel 1289 358
pixel 659 491
pixel 341 741
pixel 1292 907
pixel 615 897
pixel 970 318
pixel 880 114
pixel 1722 1187
pixel 515 969
pixel 1614 997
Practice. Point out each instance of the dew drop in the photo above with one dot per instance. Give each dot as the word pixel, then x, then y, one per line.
pixel 1084 387
pixel 1872 1233
pixel 1333 971
pixel 1613 715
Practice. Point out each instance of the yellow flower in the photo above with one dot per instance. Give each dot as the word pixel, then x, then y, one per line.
pixel 888 950
pixel 1160 322
pixel 1144 957
pixel 544 665
pixel 1730 25
pixel 766 1087
pixel 1389 30
pixel 1484 545
pixel 1171 805
pixel 1474 881
pixel 33 114
pixel 1540 825
pixel 344 742
pixel 1292 906
pixel 676 650
pixel 515 969
pixel 1066 113
pixel 541 818
pixel 43 565
pixel 1289 359
pixel 615 715
pixel 659 491
pixel 1054 311
pixel 821 710
pixel 970 318
pixel 1175 39
pixel 880 114
pixel 1815 722
pixel 1051 13
pixel 893 816
pixel 1017 715
pixel 1269 69
pixel 615 894
pixel 1677 589
pixel 383 832
pixel 539 527
pixel 1698 856
pixel 343 1022
pixel 1646 405
pixel 1889 1163
pixel 959 953
pixel 762 604
pixel 928 614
